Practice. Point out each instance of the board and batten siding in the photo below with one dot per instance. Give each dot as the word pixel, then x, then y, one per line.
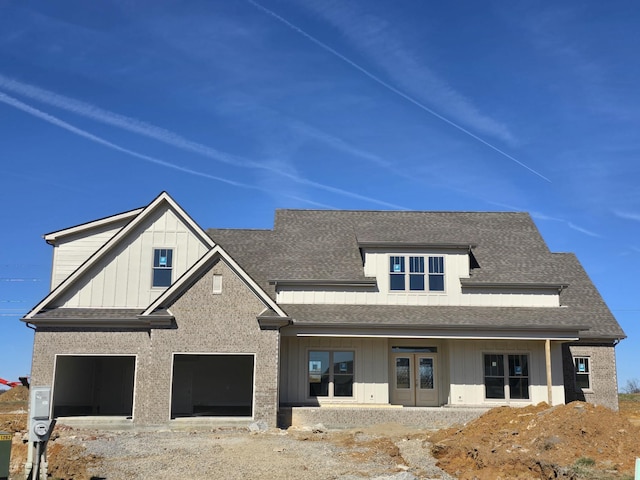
pixel 467 375
pixel 72 251
pixel 370 370
pixel 456 267
pixel 123 278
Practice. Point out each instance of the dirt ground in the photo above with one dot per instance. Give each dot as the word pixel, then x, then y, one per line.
pixel 575 441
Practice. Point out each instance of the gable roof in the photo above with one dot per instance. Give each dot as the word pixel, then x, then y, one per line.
pixel 324 246
pixel 53 237
pixel 162 200
pixel 183 283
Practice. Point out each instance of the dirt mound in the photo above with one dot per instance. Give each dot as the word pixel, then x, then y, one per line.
pixel 15 394
pixel 574 441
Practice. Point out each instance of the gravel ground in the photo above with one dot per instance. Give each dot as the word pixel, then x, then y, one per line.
pixel 382 453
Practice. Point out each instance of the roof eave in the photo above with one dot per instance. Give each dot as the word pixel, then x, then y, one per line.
pixel 127 323
pixel 514 285
pixel 421 245
pixel 367 282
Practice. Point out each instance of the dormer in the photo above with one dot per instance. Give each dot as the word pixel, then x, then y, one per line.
pixel 417 268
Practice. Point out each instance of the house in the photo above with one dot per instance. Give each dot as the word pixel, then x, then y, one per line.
pixel 334 316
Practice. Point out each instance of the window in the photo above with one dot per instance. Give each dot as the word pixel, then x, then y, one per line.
pixel 217 284
pixel 330 373
pixel 436 274
pixel 506 376
pixel 583 373
pixel 396 276
pixel 162 266
pixel 398 280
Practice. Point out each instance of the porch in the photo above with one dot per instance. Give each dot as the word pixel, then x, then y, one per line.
pixel 352 416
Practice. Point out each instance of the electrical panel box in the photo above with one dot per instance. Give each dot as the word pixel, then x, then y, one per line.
pixel 40 423
pixel 40 403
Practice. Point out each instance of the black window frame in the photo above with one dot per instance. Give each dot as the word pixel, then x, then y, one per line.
pixel 162 272
pixel 407 273
pixel 509 379
pixel 586 374
pixel 336 380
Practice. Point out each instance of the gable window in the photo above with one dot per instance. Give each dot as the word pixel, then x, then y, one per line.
pixel 330 373
pixel 583 373
pixel 162 266
pixel 506 376
pixel 414 280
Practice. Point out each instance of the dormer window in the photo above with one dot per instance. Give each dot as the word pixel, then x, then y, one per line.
pixel 436 274
pixel 414 279
pixel 162 266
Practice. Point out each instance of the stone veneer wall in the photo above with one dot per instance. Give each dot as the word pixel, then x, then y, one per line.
pixel 432 418
pixel 206 323
pixel 215 323
pixel 49 342
pixel 604 379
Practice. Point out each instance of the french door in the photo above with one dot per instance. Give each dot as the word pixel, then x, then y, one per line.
pixel 414 379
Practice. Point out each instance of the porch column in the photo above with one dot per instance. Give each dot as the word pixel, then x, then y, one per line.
pixel 547 355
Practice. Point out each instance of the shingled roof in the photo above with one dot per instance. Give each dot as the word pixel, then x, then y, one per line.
pixel 324 245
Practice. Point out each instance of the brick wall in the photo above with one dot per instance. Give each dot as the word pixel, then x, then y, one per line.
pixel 604 379
pixel 215 323
pixel 206 323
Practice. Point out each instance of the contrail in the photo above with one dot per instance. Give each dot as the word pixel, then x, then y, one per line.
pixel 110 118
pixel 391 88
pixel 157 133
pixel 4 98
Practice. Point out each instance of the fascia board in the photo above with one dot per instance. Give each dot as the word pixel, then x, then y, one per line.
pixel 188 220
pixel 416 245
pixel 515 285
pixel 107 247
pixel 52 237
pixel 201 264
pixel 566 335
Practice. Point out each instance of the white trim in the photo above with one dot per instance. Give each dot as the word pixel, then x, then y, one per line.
pixel 115 240
pixel 216 284
pixel 432 336
pixel 135 376
pixel 204 260
pixel 407 274
pixel 253 388
pixel 153 266
pixel 55 236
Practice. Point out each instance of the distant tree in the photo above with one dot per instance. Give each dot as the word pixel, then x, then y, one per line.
pixel 632 386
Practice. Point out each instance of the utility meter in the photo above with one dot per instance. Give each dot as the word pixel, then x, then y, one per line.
pixel 40 421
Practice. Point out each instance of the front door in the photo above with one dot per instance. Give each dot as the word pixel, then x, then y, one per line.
pixel 414 379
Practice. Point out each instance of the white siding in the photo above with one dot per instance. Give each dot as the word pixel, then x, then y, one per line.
pixel 460 376
pixel 371 368
pixel 74 250
pixel 456 267
pixel 123 278
pixel 467 376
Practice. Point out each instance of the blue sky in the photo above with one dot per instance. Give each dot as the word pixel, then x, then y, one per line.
pixel 239 108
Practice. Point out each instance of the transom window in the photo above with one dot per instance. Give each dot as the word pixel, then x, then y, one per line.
pixel 506 376
pixel 330 373
pixel 583 373
pixel 414 279
pixel 162 266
